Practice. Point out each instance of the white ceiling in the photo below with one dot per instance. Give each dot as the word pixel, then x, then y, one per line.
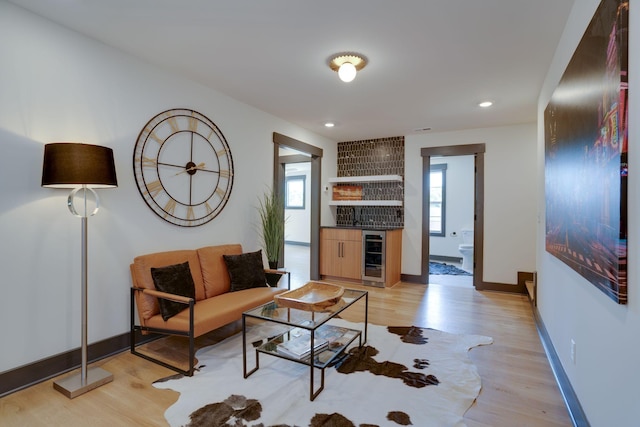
pixel 430 62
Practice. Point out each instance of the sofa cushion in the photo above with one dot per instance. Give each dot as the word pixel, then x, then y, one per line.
pixel 213 313
pixel 141 274
pixel 246 270
pixel 174 279
pixel 214 270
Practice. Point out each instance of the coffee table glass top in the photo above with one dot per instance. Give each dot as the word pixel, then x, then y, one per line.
pixel 302 318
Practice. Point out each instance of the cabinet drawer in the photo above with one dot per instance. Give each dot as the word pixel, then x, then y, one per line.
pixel 345 234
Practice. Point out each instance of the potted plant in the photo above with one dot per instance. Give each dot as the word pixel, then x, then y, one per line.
pixel 271 210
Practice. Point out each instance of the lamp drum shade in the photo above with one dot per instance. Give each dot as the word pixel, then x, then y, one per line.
pixel 68 164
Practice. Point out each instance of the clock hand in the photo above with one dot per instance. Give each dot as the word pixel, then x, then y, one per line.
pixel 196 167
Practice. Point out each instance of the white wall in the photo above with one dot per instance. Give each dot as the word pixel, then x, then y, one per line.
pixel 56 85
pixel 605 375
pixel 509 198
pixel 459 203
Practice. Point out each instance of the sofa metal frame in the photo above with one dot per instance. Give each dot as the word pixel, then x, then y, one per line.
pixel 273 277
pixel 188 334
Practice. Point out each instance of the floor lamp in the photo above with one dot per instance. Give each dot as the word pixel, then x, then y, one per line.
pixel 81 167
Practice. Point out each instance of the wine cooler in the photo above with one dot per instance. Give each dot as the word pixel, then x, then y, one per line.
pixel 373 257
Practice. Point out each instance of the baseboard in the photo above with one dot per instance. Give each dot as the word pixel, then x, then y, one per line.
pixel 578 417
pixel 412 278
pixel 42 370
pixel 445 258
pixel 293 242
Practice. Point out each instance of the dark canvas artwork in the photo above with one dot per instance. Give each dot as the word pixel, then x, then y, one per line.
pixel 586 155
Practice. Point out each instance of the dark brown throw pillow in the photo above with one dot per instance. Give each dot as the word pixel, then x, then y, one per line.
pixel 246 270
pixel 173 279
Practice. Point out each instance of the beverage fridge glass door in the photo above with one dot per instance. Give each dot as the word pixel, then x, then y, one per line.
pixel 373 258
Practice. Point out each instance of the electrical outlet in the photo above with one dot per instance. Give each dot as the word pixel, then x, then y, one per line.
pixel 573 351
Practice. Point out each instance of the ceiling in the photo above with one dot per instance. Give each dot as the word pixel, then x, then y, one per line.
pixel 430 62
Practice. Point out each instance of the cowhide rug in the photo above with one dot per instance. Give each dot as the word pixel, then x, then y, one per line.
pixel 402 376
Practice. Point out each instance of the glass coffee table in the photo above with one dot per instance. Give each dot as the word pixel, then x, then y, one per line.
pixel 298 328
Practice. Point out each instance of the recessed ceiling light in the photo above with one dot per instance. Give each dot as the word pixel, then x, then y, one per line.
pixel 329 124
pixel 485 104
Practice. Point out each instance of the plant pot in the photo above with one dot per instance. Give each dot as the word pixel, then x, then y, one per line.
pixel 273 265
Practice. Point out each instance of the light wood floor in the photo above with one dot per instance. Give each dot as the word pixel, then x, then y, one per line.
pixel 518 387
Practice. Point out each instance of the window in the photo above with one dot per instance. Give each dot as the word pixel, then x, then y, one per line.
pixel 295 192
pixel 437 199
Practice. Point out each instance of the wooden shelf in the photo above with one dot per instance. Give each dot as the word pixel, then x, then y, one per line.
pixel 364 179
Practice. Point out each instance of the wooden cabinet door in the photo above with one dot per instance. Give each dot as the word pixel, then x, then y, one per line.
pixel 329 257
pixel 393 251
pixel 351 260
pixel 341 253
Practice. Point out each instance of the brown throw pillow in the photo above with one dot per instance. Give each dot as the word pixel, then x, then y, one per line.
pixel 173 279
pixel 246 270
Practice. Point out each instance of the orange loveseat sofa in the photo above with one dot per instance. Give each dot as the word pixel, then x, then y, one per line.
pixel 215 302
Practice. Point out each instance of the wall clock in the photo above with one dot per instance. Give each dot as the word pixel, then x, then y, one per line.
pixel 183 167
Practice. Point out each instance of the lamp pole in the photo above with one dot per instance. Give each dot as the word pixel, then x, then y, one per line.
pixel 82 167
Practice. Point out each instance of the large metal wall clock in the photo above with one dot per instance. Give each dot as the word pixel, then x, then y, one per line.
pixel 183 167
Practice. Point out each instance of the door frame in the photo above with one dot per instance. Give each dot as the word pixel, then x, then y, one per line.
pixel 315 153
pixel 476 150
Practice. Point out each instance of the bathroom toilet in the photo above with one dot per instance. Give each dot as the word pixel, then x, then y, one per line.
pixel 466 249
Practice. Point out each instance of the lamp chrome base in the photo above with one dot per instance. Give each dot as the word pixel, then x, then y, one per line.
pixel 72 386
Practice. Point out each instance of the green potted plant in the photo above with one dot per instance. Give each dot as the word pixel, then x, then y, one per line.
pixel 271 210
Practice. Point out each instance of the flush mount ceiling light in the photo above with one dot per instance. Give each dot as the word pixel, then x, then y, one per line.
pixel 347 65
pixel 485 104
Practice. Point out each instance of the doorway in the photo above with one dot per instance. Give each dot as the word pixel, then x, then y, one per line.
pixel 297 211
pixel 287 150
pixel 477 151
pixel 451 213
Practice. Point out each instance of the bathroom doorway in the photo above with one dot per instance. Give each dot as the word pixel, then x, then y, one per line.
pixel 477 152
pixel 451 219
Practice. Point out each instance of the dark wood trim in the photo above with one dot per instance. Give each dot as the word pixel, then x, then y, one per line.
pixel 426 235
pixel 478 233
pixel 477 150
pixel 289 142
pixel 503 287
pixel 42 370
pixel 296 158
pixel 280 140
pixel 452 150
pixel 523 276
pixel 445 258
pixel 316 193
pixel 412 278
pixel 577 414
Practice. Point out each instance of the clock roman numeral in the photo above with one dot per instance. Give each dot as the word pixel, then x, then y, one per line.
pixel 170 207
pixel 148 162
pixel 190 215
pixel 155 137
pixel 220 192
pixel 153 188
pixel 174 124
pixel 225 173
pixel 193 124
pixel 221 152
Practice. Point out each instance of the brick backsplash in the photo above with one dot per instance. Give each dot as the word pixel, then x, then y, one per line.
pixel 383 156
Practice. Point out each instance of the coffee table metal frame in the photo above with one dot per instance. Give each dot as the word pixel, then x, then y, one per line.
pixel 310 321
